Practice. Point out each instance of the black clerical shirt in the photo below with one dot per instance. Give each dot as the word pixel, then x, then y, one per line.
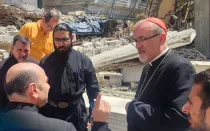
pixel 4 67
pixel 161 93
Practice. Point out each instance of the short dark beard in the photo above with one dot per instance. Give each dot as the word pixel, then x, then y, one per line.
pixel 69 48
pixel 203 126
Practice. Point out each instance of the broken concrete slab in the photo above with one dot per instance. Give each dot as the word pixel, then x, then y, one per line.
pixel 126 52
pixel 3 54
pixel 182 38
pixel 114 43
pixel 6 42
pixel 122 53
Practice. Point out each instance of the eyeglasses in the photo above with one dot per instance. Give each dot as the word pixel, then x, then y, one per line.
pixel 142 38
pixel 64 40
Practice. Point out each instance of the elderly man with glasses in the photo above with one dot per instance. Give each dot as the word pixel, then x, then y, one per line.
pixel 165 82
pixel 40 34
pixel 70 73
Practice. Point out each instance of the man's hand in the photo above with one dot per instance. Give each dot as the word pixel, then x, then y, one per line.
pixel 101 110
pixel 126 106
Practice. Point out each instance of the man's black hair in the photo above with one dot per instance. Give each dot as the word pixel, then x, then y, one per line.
pixel 63 27
pixel 21 39
pixel 203 78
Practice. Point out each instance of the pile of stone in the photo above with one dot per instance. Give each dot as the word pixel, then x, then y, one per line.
pixel 100 45
pixel 3 54
pixel 18 15
pixel 71 16
pixel 7 34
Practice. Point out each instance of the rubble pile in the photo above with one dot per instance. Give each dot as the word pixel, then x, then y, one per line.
pixel 71 16
pixel 117 92
pixel 3 54
pixel 190 52
pixel 6 36
pixel 18 15
pixel 100 45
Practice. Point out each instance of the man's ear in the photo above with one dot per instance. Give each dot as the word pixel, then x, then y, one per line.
pixel 72 36
pixel 43 19
pixel 11 47
pixel 163 38
pixel 33 90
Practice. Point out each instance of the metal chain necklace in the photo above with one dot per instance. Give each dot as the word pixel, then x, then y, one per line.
pixel 141 91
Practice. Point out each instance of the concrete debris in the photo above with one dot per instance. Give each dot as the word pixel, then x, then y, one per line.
pixel 116 54
pixel 3 54
pixel 190 53
pixel 109 79
pixel 177 39
pixel 120 65
pixel 71 16
pixel 99 45
pixel 18 15
pixel 7 34
pixel 8 30
pixel 116 93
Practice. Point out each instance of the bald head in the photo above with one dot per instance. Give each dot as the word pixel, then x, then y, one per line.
pixel 20 76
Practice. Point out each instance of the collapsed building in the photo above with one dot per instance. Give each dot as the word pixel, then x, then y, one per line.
pixel 114 55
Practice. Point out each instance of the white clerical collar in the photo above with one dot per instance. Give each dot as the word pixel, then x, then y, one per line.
pixel 159 56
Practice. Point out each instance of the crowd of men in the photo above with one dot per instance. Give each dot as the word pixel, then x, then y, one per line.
pixel 43 81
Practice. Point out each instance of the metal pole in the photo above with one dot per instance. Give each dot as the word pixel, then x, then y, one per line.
pixel 112 10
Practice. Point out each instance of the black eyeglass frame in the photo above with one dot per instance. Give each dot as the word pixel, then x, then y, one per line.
pixel 145 38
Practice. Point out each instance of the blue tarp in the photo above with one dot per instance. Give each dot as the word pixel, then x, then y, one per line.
pixel 86 26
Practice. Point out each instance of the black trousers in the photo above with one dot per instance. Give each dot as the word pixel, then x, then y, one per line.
pixel 74 113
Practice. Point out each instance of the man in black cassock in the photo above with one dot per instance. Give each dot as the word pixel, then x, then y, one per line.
pixel 164 85
pixel 70 73
pixel 20 51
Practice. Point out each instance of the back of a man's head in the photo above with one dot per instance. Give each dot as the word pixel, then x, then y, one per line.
pixel 27 82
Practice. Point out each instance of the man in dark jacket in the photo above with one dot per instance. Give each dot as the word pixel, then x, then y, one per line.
pixel 27 89
pixel 70 73
pixel 165 82
pixel 20 51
